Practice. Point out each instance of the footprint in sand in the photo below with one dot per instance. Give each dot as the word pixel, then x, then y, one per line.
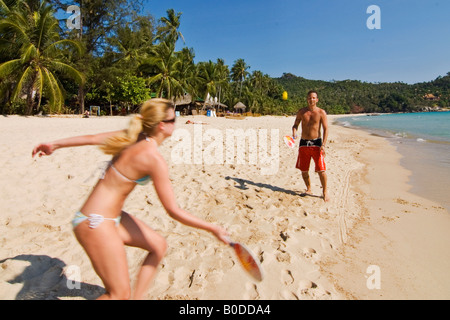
pixel 251 291
pixel 287 277
pixel 309 252
pixel 283 257
pixel 284 235
pixel 288 295
pixel 401 201
pixel 304 285
pixel 183 275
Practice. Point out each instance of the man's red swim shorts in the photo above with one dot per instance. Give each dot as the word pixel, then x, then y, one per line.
pixel 310 149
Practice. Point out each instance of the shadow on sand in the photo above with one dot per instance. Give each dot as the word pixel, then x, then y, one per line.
pixel 243 186
pixel 44 279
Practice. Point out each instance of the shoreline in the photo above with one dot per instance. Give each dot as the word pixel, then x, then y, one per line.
pixel 402 233
pixel 310 250
pixel 421 165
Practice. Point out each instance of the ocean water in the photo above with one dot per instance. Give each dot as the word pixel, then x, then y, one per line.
pixel 423 139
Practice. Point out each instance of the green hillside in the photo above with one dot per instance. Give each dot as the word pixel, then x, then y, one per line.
pixel 353 96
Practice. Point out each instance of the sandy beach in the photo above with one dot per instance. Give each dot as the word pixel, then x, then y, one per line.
pixel 372 240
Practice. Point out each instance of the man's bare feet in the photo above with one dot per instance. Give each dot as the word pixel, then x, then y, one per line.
pixel 306 193
pixel 325 197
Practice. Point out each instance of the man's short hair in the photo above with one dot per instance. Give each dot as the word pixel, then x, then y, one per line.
pixel 312 91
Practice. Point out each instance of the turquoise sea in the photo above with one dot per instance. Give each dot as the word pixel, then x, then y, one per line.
pixel 423 139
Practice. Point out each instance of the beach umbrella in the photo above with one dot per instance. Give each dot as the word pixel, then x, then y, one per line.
pixel 240 105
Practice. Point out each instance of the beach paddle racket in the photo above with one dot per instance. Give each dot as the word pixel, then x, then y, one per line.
pixel 247 260
pixel 289 141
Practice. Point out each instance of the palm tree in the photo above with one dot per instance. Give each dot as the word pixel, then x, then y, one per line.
pixel 131 42
pixel 208 78
pixel 162 67
pixel 169 29
pixel 39 55
pixel 187 71
pixel 223 75
pixel 239 72
pixel 213 77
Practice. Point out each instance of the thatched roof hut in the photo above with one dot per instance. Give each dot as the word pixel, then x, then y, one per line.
pixel 240 106
pixel 186 99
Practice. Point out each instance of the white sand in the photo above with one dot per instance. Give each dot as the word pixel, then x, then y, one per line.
pixel 309 249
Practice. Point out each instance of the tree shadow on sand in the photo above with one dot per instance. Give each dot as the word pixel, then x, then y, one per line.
pixel 44 279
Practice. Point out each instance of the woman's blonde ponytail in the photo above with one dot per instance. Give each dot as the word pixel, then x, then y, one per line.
pixel 152 112
pixel 117 143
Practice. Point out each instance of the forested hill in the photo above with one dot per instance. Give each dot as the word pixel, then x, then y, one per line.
pixel 353 96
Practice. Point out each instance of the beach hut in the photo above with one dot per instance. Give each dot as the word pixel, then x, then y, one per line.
pixel 183 100
pixel 239 107
pixel 184 104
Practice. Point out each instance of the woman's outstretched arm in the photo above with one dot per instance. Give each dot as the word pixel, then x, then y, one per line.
pixel 48 148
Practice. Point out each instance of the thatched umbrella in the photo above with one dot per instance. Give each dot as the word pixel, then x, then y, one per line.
pixel 182 100
pixel 222 105
pixel 240 106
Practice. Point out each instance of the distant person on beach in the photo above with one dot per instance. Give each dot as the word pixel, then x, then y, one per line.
pixel 101 226
pixel 312 143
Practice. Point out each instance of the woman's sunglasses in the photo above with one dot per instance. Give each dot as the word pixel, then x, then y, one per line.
pixel 170 120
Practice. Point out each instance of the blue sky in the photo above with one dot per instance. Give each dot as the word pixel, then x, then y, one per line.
pixel 319 39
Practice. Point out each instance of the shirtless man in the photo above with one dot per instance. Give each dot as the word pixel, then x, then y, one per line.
pixel 312 145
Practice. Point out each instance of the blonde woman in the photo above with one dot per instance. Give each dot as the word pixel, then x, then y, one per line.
pixel 101 226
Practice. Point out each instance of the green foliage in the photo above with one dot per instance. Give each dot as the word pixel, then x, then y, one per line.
pixel 132 90
pixel 352 96
pixel 128 57
pixel 36 61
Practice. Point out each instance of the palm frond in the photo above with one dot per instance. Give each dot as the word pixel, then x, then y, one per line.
pixel 155 78
pixel 52 86
pixel 11 28
pixel 29 52
pixel 9 67
pixel 52 49
pixel 68 70
pixel 39 86
pixel 25 77
pixel 47 26
pixel 49 87
pixel 3 6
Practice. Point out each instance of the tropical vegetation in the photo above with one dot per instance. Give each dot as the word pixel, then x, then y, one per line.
pixel 35 56
pixel 118 58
